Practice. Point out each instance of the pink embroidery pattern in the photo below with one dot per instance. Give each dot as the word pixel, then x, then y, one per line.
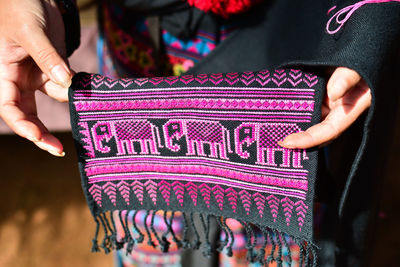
pixel 279 78
pixel 198 141
pixel 343 15
pixel 178 190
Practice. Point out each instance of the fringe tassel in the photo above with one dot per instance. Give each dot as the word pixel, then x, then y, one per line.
pixel 224 242
pixel 261 254
pixel 140 239
pixel 95 245
pixel 169 225
pixel 185 241
pixel 270 257
pixel 279 257
pixel 273 238
pixel 206 227
pixel 251 256
pixel 131 241
pixel 117 243
pixel 314 254
pixel 289 253
pixel 163 247
pixel 197 243
pixel 150 241
pixel 165 243
pixel 229 251
pixel 105 244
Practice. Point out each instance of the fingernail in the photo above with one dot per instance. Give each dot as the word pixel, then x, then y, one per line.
pixel 49 149
pixel 62 76
pixel 56 153
pixel 286 144
pixel 32 139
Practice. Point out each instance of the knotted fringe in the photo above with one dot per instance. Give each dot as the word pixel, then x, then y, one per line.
pixel 274 247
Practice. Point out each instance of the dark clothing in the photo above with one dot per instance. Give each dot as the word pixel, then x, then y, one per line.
pixel 287 33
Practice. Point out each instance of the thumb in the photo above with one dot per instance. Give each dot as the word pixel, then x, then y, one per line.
pixel 40 48
pixel 341 81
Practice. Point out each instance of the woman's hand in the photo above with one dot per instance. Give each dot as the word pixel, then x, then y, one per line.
pixel 32 57
pixel 348 96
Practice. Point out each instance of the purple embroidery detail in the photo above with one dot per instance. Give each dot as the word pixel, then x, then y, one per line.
pixel 95 191
pixel 201 78
pixel 180 188
pixel 247 78
pixel 109 189
pixel 263 78
pixel 219 195
pixel 279 77
pixel 310 80
pixel 331 9
pixel 165 190
pixel 86 139
pixel 246 202
pixel 267 136
pixel 186 79
pixel 171 80
pixel 141 81
pixel 300 194
pixel 179 191
pixel 124 190
pixel 287 205
pixel 192 191
pixel 110 82
pixel 92 164
pixel 232 196
pixel 101 131
pixel 232 78
pixel 223 104
pixel 125 82
pixel 206 193
pixel 125 133
pixel 295 77
pixel 151 188
pixel 216 78
pixel 137 188
pixel 155 80
pixel 301 210
pixel 260 203
pixel 136 126
pixel 343 15
pixel 197 134
pixel 273 203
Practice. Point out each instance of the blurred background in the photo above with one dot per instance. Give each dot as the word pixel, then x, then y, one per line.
pixel 44 219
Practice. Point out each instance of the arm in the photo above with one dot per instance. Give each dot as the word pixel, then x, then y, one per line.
pixel 364 49
pixel 32 57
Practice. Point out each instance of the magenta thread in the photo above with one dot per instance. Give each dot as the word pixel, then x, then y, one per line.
pixel 348 11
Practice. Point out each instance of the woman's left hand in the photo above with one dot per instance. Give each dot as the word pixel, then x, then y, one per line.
pixel 348 96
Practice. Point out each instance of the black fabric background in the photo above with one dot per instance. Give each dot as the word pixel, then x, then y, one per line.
pixel 286 32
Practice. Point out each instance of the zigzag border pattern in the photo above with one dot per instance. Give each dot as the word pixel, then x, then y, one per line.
pixel 179 189
pixel 278 78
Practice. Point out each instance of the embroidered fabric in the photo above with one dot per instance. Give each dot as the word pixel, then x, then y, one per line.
pixel 347 12
pixel 203 145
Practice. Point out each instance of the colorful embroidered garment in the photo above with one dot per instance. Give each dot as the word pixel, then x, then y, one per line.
pixel 205 146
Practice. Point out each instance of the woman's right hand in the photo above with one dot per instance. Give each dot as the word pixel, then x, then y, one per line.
pixel 32 57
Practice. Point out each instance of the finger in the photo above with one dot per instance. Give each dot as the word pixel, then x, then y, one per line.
pixel 24 121
pixel 55 91
pixel 39 47
pixel 337 121
pixel 341 81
